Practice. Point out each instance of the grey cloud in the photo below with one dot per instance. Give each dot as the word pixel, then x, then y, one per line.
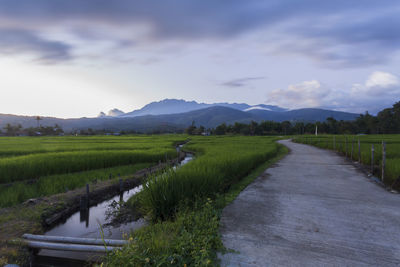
pixel 355 38
pixel 16 41
pixel 357 98
pixel 240 82
pixel 350 42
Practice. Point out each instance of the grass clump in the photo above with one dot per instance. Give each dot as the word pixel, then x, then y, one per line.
pixel 192 239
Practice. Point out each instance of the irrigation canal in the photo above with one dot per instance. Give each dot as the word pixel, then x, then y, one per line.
pixel 88 224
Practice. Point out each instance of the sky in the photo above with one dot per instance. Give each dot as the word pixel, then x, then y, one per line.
pixel 76 58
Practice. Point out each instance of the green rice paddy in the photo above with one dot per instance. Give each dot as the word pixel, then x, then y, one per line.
pixel 40 166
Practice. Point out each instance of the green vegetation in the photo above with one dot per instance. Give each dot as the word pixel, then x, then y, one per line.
pixel 17 146
pixel 41 166
pixel 37 165
pixel 192 239
pixel 221 162
pixel 386 122
pixel 49 185
pixel 186 204
pixel 347 145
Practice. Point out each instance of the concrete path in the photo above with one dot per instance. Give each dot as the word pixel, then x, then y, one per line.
pixel 312 209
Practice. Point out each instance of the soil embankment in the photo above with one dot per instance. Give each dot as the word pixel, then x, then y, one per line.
pixel 313 208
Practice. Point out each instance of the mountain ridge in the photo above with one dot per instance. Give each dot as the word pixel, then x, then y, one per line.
pixel 208 117
pixel 176 106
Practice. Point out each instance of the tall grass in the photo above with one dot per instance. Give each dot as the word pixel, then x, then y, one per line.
pixel 17 146
pixel 54 184
pixel 41 166
pixel 37 165
pixel 221 163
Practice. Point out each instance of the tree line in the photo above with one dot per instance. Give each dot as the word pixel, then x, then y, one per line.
pixel 18 130
pixel 386 121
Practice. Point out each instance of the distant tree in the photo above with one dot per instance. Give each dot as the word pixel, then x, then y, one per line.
pixel 12 130
pixel 286 125
pixel 202 129
pixel 191 130
pixel 221 129
pixel 38 119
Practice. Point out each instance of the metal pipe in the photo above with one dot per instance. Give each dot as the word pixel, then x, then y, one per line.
pixel 69 247
pixel 75 240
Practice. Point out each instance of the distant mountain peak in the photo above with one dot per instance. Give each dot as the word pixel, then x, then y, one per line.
pixel 115 112
pixel 175 106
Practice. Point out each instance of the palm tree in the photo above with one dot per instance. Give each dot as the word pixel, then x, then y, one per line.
pixel 8 129
pixel 38 119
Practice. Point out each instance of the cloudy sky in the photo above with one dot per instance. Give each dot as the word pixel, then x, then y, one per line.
pixel 78 57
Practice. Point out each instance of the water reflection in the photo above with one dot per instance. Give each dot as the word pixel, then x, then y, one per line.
pixel 88 222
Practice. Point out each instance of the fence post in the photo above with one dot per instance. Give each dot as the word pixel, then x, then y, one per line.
pixel 87 196
pixel 334 142
pixel 120 185
pixel 345 140
pixel 383 160
pixel 352 149
pixel 372 158
pixel 359 151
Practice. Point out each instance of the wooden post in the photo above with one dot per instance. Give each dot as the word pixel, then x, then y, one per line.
pixel 83 203
pixel 120 185
pixel 372 158
pixel 345 140
pixel 334 143
pixel 359 151
pixel 87 194
pixel 352 149
pixel 166 158
pixel 383 160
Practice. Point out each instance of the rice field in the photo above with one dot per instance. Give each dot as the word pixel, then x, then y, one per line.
pixel 221 162
pixel 41 166
pixel 33 167
pixel 347 145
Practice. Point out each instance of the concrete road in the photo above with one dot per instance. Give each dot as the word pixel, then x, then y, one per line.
pixel 313 208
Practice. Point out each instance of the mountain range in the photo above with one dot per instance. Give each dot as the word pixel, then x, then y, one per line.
pixel 175 106
pixel 173 115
